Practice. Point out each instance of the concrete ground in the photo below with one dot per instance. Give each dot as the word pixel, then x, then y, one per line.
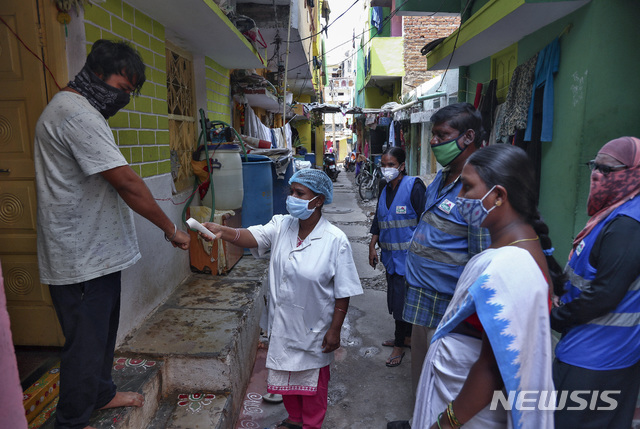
pixel 363 392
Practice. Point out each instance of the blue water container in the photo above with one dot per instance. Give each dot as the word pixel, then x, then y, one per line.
pixel 281 189
pixel 311 157
pixel 257 204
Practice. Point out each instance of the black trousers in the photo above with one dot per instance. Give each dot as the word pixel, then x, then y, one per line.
pixel 573 378
pixel 395 304
pixel 89 314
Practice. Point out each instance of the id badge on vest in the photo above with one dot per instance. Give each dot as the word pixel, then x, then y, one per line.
pixel 446 206
pixel 401 209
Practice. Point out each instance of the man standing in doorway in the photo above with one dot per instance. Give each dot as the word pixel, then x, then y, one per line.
pixel 86 233
pixel 443 242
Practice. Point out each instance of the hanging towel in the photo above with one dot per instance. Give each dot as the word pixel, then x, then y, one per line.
pixel 546 68
pixel 476 102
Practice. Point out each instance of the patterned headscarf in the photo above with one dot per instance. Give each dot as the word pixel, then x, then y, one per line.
pixel 105 98
pixel 611 191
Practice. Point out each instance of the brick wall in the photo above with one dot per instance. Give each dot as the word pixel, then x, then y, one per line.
pixel 141 129
pixel 218 91
pixel 418 31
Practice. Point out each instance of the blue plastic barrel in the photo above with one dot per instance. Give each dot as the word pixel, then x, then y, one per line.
pixel 311 157
pixel 281 189
pixel 257 204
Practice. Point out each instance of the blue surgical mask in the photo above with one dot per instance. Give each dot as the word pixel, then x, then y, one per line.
pixel 472 210
pixel 299 208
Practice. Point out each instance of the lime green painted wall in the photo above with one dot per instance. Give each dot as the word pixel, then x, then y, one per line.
pixel 597 72
pixel 387 56
pixel 218 91
pixel 141 129
pixel 304 131
pixel 373 99
pixel 319 145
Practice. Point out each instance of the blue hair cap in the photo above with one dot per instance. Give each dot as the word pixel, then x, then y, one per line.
pixel 316 180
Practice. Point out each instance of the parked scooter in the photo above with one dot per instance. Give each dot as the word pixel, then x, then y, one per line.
pixel 329 166
pixel 350 162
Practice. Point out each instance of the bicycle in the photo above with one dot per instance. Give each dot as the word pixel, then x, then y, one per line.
pixel 369 187
pixel 364 168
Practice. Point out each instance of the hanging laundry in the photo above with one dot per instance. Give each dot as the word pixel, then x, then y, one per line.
pixel 488 105
pixel 516 106
pixel 546 68
pixel 376 18
pixel 476 102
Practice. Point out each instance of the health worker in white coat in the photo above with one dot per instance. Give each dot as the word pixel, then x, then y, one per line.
pixel 311 278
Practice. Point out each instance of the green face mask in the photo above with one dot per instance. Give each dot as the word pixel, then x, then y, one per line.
pixel 446 152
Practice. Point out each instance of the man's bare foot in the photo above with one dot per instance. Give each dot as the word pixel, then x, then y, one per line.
pixel 125 399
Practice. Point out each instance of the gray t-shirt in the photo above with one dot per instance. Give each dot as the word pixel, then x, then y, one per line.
pixel 85 230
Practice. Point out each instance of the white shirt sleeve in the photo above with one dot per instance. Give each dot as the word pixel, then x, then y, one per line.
pixel 346 281
pixel 265 235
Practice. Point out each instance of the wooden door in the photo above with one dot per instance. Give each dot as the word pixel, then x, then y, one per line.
pixel 24 92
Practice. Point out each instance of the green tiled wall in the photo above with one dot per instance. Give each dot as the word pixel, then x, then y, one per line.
pixel 141 129
pixel 218 91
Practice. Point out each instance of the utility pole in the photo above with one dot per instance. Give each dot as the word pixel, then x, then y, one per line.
pixel 333 125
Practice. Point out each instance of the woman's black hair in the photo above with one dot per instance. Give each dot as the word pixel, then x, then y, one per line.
pixel 462 117
pixel 510 167
pixel 398 153
pixel 109 57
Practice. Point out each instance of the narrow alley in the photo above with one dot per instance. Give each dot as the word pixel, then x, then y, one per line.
pixel 363 392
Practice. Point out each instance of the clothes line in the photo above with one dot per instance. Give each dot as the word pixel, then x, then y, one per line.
pixel 253 127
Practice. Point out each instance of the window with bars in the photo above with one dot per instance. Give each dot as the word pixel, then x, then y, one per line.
pixel 182 116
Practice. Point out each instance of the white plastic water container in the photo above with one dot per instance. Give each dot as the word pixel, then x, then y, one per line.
pixel 226 176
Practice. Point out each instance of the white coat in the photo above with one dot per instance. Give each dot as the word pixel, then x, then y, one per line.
pixel 304 283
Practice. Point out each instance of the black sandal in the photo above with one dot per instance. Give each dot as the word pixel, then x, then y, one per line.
pixel 288 425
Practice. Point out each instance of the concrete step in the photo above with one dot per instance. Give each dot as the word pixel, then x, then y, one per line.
pixel 192 358
pixel 194 410
pixel 206 334
pixel 129 374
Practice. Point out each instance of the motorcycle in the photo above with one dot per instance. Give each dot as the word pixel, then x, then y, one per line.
pixel 350 163
pixel 329 166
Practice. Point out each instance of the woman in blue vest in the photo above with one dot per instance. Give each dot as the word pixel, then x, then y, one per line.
pixel 400 205
pixel 489 363
pixel 600 317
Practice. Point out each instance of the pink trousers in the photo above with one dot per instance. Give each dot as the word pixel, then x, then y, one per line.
pixel 309 410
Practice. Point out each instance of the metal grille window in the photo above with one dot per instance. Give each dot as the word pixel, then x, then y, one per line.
pixel 182 116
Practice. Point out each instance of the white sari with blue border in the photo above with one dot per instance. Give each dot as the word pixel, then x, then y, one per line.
pixel 508 291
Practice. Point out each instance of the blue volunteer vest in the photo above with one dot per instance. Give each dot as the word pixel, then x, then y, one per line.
pixel 397 224
pixel 611 341
pixel 439 248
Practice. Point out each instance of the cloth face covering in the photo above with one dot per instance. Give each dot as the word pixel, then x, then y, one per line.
pixel 611 191
pixel 298 207
pixel 106 98
pixel 472 210
pixel 446 152
pixel 390 173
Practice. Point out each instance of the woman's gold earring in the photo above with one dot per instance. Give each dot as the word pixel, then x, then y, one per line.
pixel 498 203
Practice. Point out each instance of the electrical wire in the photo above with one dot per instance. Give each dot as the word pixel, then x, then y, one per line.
pixel 328 25
pixel 455 44
pixel 33 53
pixel 385 21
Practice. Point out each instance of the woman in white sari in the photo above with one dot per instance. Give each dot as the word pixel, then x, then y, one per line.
pixel 489 363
